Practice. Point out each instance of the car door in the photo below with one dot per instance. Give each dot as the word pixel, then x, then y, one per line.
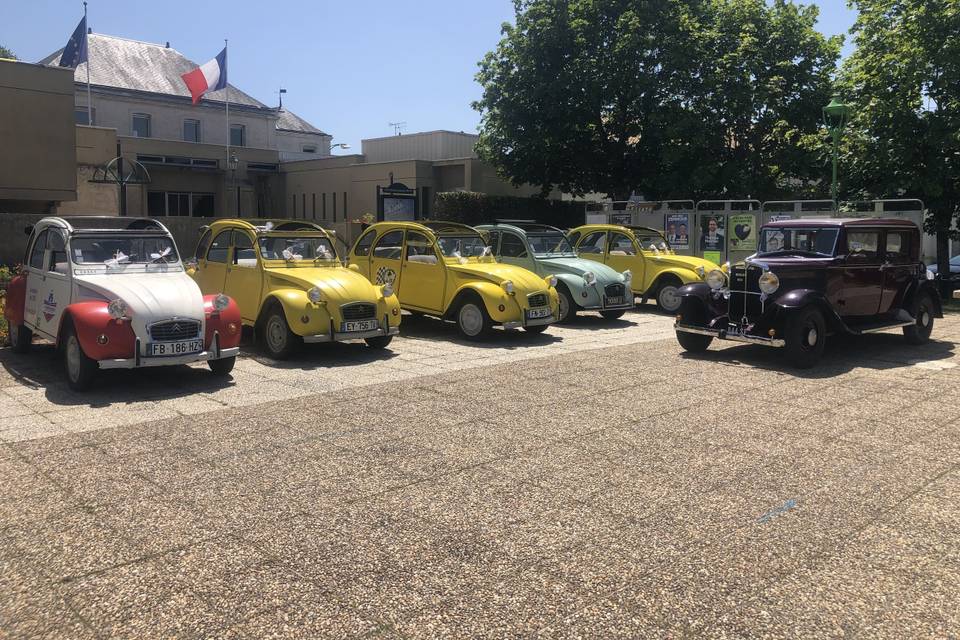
pixel 244 279
pixel 514 250
pixel 622 254
pixel 899 267
pixel 211 271
pixel 385 264
pixel 424 274
pixel 862 275
pixel 591 246
pixel 49 280
pixel 360 256
pixel 36 280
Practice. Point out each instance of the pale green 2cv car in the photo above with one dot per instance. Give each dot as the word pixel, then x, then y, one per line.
pixel 582 285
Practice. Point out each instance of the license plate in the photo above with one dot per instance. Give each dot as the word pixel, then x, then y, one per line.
pixel 535 314
pixel 734 330
pixel 181 348
pixel 358 325
pixel 615 300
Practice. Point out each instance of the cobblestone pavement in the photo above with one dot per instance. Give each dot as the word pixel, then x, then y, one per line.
pixel 592 481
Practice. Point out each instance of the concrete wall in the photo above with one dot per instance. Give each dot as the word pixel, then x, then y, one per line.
pixel 429 145
pixel 38 158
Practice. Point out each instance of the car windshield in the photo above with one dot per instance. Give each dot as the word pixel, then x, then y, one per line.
pixel 550 243
pixel 462 246
pixel 955 261
pixel 117 250
pixel 811 240
pixel 650 238
pixel 297 248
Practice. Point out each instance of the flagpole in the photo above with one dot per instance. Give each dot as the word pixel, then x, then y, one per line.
pixel 226 94
pixel 87 40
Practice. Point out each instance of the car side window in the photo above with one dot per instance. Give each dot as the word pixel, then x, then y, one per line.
pixel 389 246
pixel 573 237
pixel 622 245
pixel 364 243
pixel 593 243
pixel 219 246
pixel 58 252
pixel 203 244
pixel 511 246
pixel 897 247
pixel 863 246
pixel 243 252
pixel 419 248
pixel 493 241
pixel 36 254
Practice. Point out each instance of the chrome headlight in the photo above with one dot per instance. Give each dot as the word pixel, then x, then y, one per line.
pixel 590 278
pixel 508 286
pixel 315 295
pixel 769 282
pixel 716 279
pixel 551 280
pixel 701 271
pixel 117 309
pixel 387 290
pixel 627 276
pixel 221 302
pixel 930 275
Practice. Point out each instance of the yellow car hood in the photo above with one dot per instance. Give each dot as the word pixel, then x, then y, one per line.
pixel 338 284
pixel 524 280
pixel 684 262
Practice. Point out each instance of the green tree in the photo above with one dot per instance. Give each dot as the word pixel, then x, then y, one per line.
pixel 904 81
pixel 672 98
pixel 6 53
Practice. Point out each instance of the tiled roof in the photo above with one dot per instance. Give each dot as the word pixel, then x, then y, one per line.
pixel 141 66
pixel 289 121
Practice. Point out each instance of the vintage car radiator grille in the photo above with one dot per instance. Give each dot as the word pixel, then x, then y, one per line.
pixel 614 290
pixel 745 293
pixel 169 330
pixel 537 299
pixel 358 311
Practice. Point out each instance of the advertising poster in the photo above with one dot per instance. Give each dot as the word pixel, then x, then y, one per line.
pixel 712 234
pixel 743 232
pixel 676 226
pixel 621 217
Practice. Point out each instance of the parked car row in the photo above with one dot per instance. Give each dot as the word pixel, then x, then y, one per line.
pixel 114 292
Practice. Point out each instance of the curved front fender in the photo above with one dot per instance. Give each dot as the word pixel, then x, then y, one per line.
pixel 226 323
pixel 15 300
pixel 686 276
pixel 90 321
pixel 296 306
pixel 798 298
pixel 493 297
pixel 578 287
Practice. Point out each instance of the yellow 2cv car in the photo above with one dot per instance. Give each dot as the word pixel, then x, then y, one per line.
pixel 291 286
pixel 447 269
pixel 657 271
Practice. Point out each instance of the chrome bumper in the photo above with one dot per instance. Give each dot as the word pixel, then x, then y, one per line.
pixel 340 337
pixel 723 335
pixel 143 361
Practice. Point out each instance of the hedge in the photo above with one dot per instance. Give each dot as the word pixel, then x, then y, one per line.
pixel 478 208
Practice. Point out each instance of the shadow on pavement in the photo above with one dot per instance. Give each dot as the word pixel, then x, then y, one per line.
pixel 434 329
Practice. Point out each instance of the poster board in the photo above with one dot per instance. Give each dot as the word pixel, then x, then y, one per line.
pixel 743 232
pixel 712 237
pixel 676 227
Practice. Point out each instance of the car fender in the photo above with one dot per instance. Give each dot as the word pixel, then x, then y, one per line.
pixel 925 286
pixel 577 287
pixel 699 304
pixel 802 298
pixel 101 337
pixel 227 323
pixel 685 276
pixel 16 298
pixel 296 307
pixel 493 297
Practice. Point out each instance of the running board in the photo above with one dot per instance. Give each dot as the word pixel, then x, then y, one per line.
pixel 886 327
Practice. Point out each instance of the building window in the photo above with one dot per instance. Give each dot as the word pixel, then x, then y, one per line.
pixel 170 203
pixel 334 206
pixel 238 135
pixel 191 131
pixel 80 115
pixel 323 201
pixel 309 148
pixel 314 205
pixel 303 205
pixel 294 206
pixel 141 125
pixel 344 205
pixel 424 202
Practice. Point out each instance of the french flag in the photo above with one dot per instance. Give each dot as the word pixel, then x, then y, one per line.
pixel 210 76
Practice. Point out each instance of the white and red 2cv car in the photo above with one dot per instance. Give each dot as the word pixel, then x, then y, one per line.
pixel 112 293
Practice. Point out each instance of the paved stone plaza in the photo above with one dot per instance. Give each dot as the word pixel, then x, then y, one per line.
pixel 588 482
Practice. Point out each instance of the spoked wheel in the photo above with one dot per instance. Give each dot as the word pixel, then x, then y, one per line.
pixel 806 337
pixel 20 338
pixel 473 321
pixel 278 340
pixel 81 370
pixel 919 333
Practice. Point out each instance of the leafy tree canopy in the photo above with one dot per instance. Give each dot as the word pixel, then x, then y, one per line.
pixel 6 53
pixel 671 98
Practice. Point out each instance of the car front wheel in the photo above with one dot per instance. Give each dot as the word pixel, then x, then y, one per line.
pixel 378 342
pixel 568 308
pixel 278 340
pixel 919 333
pixel 20 338
pixel 81 370
pixel 806 337
pixel 222 366
pixel 473 321
pixel 668 297
pixel 613 315
pixel 693 342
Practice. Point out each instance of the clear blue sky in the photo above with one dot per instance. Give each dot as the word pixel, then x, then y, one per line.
pixel 349 66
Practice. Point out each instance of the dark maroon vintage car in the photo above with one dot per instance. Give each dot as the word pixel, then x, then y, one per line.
pixel 811 279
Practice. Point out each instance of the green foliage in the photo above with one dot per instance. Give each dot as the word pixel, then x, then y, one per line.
pixel 6 53
pixel 671 98
pixel 904 81
pixel 478 208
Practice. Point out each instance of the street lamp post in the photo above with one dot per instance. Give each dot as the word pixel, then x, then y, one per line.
pixel 835 117
pixel 234 163
pixel 341 145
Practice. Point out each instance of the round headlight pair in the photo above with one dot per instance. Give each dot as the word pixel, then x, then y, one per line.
pixel 117 309
pixel 716 279
pixel 769 282
pixel 508 286
pixel 314 295
pixel 590 278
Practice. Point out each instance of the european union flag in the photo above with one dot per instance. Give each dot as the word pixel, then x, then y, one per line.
pixel 76 50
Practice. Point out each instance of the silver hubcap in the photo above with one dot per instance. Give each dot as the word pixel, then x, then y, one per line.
pixel 564 306
pixel 812 337
pixel 669 299
pixel 276 333
pixel 471 319
pixel 925 318
pixel 73 358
